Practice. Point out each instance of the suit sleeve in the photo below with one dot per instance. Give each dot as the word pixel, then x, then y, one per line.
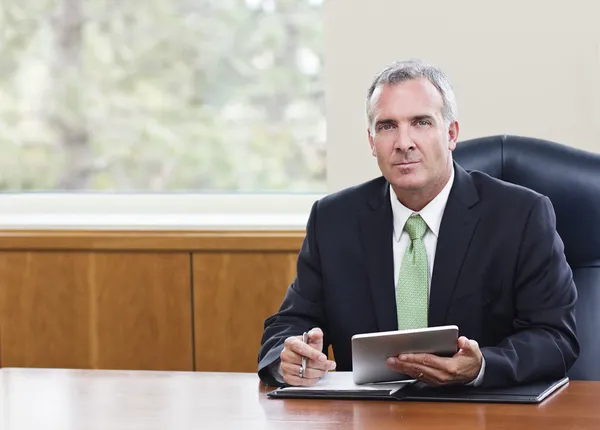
pixel 544 345
pixel 302 308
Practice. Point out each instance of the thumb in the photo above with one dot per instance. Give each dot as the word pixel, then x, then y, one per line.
pixel 467 346
pixel 315 337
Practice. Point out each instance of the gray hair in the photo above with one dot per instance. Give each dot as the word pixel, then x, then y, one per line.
pixel 402 71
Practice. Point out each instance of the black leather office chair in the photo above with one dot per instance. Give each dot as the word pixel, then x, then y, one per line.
pixel 571 179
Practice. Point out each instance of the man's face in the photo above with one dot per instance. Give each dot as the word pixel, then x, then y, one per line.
pixel 409 137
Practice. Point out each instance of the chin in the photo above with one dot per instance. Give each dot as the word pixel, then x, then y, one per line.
pixel 409 186
pixel 407 182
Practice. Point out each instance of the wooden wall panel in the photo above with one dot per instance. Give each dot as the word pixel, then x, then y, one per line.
pixel 44 310
pixel 96 310
pixel 233 294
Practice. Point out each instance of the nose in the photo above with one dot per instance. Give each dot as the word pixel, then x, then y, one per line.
pixel 403 142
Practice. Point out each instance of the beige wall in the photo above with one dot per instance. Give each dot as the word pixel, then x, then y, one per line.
pixel 519 67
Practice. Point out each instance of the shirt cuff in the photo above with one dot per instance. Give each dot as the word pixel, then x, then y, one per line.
pixel 477 382
pixel 275 369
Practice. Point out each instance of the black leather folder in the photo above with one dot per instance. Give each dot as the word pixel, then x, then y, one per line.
pixel 531 393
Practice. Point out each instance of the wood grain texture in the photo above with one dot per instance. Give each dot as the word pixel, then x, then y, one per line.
pixel 151 240
pixel 233 294
pixel 96 310
pixel 35 399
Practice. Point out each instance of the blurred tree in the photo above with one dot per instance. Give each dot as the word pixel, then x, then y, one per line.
pixel 162 95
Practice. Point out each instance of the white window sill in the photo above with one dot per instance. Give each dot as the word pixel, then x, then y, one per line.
pixel 155 211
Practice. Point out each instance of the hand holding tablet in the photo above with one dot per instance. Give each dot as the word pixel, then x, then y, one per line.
pixel 370 351
pixel 465 367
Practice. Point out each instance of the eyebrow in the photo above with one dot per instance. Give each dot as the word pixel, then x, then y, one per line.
pixel 422 117
pixel 384 121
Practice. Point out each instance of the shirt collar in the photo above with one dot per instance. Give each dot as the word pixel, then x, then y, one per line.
pixel 432 213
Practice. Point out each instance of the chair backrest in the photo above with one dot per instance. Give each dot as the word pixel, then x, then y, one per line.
pixel 571 180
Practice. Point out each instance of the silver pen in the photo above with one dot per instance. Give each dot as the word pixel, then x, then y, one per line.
pixel 303 369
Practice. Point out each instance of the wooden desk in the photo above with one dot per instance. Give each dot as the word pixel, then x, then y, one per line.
pixel 100 399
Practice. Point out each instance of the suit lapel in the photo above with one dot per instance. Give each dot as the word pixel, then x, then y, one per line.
pixel 376 232
pixel 456 230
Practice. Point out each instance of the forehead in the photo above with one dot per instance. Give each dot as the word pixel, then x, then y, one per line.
pixel 414 97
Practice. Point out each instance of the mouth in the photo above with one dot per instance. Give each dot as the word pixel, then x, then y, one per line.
pixel 406 163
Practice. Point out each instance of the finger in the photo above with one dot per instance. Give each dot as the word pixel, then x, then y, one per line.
pixel 299 382
pixel 428 360
pixel 426 378
pixel 436 377
pixel 430 375
pixel 294 370
pixel 315 335
pixel 433 380
pixel 315 339
pixel 304 350
pixel 468 346
pixel 402 367
pixel 288 356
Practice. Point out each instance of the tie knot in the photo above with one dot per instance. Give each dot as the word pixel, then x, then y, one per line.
pixel 415 227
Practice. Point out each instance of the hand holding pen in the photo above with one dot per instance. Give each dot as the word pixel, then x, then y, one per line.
pixel 302 360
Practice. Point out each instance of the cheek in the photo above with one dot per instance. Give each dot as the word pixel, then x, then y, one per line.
pixel 382 149
pixel 435 148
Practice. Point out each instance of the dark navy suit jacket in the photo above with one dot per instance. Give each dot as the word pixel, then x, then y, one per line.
pixel 500 275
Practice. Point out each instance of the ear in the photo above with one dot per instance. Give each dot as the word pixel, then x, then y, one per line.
pixel 453 135
pixel 371 142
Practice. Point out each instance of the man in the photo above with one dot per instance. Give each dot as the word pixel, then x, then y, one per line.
pixel 427 244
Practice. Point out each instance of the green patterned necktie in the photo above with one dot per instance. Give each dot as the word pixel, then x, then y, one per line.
pixel 413 287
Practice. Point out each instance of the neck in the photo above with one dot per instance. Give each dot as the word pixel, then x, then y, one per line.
pixel 416 200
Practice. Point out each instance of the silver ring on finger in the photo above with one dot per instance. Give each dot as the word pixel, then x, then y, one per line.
pixel 301 372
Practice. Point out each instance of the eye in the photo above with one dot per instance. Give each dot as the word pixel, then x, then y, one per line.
pixel 423 123
pixel 386 127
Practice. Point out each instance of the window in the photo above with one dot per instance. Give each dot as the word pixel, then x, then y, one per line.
pixel 161 96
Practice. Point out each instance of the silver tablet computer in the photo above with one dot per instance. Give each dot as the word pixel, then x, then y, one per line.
pixel 371 350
